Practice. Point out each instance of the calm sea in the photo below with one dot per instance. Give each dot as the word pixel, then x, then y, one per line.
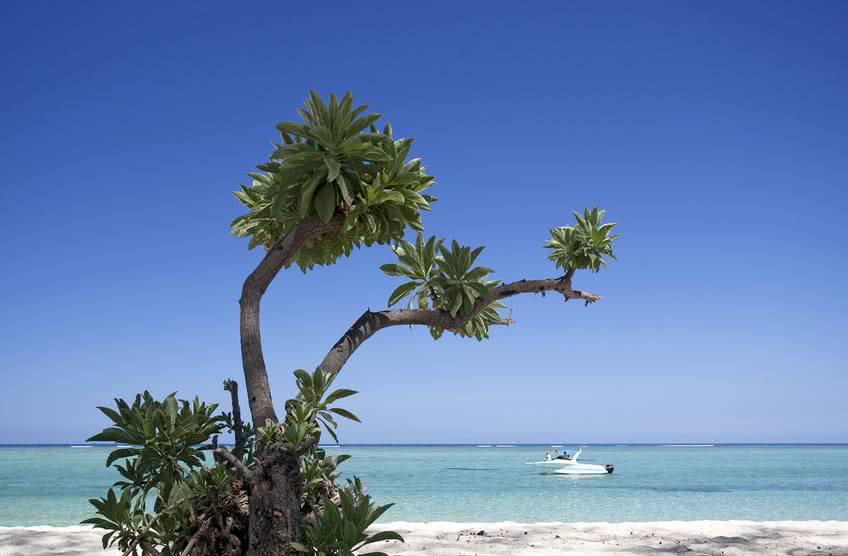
pixel 49 485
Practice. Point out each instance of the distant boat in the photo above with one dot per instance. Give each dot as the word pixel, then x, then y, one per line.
pixel 569 466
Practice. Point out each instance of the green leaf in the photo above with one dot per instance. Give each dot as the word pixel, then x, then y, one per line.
pixel 339 394
pixel 345 413
pixel 110 434
pixel 325 202
pixel 383 536
pixel 121 453
pixel 112 414
pixel 394 270
pixel 402 291
pixel 333 168
pixel 171 408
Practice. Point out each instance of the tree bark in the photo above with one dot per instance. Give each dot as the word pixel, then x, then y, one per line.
pixel 372 322
pixel 276 485
pixel 276 490
pixel 279 255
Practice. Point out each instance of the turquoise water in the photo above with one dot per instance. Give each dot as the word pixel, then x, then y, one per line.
pixel 50 485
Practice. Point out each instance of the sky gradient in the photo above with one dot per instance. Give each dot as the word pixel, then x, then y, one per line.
pixel 715 135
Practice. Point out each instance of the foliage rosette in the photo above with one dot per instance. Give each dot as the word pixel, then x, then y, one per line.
pixel 335 163
pixel 586 245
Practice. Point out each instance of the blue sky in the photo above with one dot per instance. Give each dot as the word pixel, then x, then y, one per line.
pixel 713 133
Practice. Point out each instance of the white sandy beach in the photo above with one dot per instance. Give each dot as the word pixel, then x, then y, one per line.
pixel 726 538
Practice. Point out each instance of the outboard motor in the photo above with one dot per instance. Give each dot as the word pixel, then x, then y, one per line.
pixel 609 467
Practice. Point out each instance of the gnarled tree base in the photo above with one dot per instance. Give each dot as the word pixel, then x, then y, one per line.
pixel 276 489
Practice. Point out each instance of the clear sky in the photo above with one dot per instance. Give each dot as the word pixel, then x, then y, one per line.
pixel 714 133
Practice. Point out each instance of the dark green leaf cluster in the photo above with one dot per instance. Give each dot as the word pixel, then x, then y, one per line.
pixel 161 443
pixel 165 435
pixel 444 279
pixel 335 162
pixel 584 245
pixel 341 530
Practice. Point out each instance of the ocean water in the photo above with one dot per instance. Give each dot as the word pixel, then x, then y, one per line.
pixel 51 485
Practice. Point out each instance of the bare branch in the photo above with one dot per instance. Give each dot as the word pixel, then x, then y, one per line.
pixel 371 322
pixel 225 455
pixel 231 386
pixel 204 526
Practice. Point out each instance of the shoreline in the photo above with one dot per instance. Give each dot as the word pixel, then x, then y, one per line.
pixel 447 538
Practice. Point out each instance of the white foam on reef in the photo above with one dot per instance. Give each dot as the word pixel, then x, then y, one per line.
pixel 689 445
pixel 85 446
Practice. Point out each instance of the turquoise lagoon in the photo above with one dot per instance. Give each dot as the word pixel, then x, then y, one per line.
pixel 50 485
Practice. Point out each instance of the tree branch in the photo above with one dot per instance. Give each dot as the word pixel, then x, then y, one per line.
pixel 279 255
pixel 225 455
pixel 231 386
pixel 204 525
pixel 372 322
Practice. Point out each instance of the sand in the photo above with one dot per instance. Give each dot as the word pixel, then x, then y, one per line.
pixel 728 538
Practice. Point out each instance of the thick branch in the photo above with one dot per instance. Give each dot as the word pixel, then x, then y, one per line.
pixel 370 322
pixel 279 255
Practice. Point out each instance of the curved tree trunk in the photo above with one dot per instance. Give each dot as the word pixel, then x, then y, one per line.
pixel 276 487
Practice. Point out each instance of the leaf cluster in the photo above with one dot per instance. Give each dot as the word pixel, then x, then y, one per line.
pixel 335 162
pixel 307 413
pixel 445 279
pixel 164 485
pixel 341 529
pixel 585 245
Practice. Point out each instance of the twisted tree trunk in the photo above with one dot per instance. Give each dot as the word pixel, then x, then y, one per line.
pixel 276 486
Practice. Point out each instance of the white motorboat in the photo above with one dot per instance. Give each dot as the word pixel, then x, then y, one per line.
pixel 568 465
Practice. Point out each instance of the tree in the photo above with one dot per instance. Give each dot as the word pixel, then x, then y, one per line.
pixel 335 183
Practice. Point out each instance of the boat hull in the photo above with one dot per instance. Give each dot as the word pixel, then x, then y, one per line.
pixel 585 469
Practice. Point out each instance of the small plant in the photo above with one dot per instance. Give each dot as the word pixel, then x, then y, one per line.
pixel 341 529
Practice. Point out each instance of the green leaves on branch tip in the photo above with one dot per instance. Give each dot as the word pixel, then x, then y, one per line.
pixel 444 279
pixel 331 164
pixel 585 245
